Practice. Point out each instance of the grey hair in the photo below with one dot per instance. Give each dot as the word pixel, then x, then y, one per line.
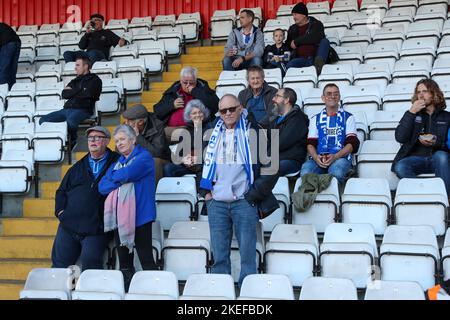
pixel 189 71
pixel 195 104
pixel 127 130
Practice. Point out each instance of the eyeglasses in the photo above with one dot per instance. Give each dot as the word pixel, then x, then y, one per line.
pixel 231 109
pixel 95 138
pixel 280 96
pixel 185 83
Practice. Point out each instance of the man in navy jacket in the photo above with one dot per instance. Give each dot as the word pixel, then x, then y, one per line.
pixel 79 206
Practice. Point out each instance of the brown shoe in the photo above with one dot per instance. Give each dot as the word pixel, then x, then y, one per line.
pixel 319 63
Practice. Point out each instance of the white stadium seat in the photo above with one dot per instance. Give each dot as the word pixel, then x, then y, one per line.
pixel 173 38
pixel 154 54
pixel 105 70
pixel 292 250
pixel 344 6
pixel 301 80
pixel 231 82
pixel 422 202
pixel 318 9
pixel 99 285
pixel 48 30
pixel 359 37
pixel 381 53
pixel 133 72
pixel 138 24
pixel 394 290
pixel 389 35
pixel 361 98
pixel 111 97
pixel 187 250
pixel 175 200
pixel 411 71
pixel 21 92
pixel 153 285
pixel 375 160
pixel 383 125
pixel 209 287
pixel 348 251
pixel 273 77
pixel 367 201
pixel 419 48
pixel 117 24
pixel 446 256
pixel 16 171
pixel 410 253
pixel 126 52
pixel 378 74
pixel 350 54
pixel 285 10
pixel 441 70
pixel 319 288
pixel 164 21
pixel 323 212
pixel 71 29
pixel 397 97
pixel 49 141
pixel 266 286
pixel 191 23
pixel 340 74
pixel 222 22
pixel 46 283
pixel 336 22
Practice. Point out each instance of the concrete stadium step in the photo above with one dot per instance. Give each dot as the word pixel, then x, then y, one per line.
pixel 48 189
pixel 29 227
pixel 26 247
pixel 10 290
pixel 150 96
pixel 149 106
pixel 38 208
pixel 206 50
pixel 201 66
pixel 205 75
pixel 18 269
pixel 64 170
pixel 192 59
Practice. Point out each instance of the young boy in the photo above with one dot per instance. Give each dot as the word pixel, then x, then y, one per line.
pixel 278 54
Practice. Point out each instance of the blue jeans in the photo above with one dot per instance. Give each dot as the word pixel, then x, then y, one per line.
pixel 93 55
pixel 288 167
pixel 68 247
pixel 223 217
pixel 9 59
pixel 73 117
pixel 227 63
pixel 322 51
pixel 338 169
pixel 438 163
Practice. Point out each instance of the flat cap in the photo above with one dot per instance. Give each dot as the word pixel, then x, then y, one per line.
pixel 135 112
pixel 99 129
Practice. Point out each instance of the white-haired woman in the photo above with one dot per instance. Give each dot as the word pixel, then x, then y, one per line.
pixel 130 206
pixel 197 118
pixel 170 108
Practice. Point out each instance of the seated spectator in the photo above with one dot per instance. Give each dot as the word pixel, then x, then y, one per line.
pixel 245 45
pixel 278 54
pixel 81 94
pixel 80 232
pixel 292 124
pixel 423 134
pixel 332 138
pixel 196 116
pixel 258 97
pixel 9 54
pixel 307 40
pixel 170 108
pixel 150 135
pixel 97 41
pixel 130 206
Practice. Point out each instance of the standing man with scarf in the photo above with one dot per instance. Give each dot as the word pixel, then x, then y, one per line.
pixel 234 188
pixel 332 138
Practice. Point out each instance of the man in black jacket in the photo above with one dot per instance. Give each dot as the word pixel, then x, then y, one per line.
pixel 81 94
pixel 9 54
pixel 307 40
pixel 423 134
pixel 150 135
pixel 292 124
pixel 79 207
pixel 97 42
pixel 258 97
pixel 170 108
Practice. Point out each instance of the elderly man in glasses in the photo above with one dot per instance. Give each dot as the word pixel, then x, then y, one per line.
pixel 235 186
pixel 170 108
pixel 332 138
pixel 79 206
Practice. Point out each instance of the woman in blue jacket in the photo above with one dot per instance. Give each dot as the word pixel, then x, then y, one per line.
pixel 130 207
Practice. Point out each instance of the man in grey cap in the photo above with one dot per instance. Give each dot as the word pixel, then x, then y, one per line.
pixel 150 135
pixel 79 206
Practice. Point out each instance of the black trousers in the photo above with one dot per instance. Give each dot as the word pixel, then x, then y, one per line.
pixel 143 245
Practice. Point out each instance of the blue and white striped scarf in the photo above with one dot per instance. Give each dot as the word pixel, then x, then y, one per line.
pixel 243 149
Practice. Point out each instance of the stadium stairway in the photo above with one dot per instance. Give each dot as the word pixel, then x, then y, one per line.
pixel 26 242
